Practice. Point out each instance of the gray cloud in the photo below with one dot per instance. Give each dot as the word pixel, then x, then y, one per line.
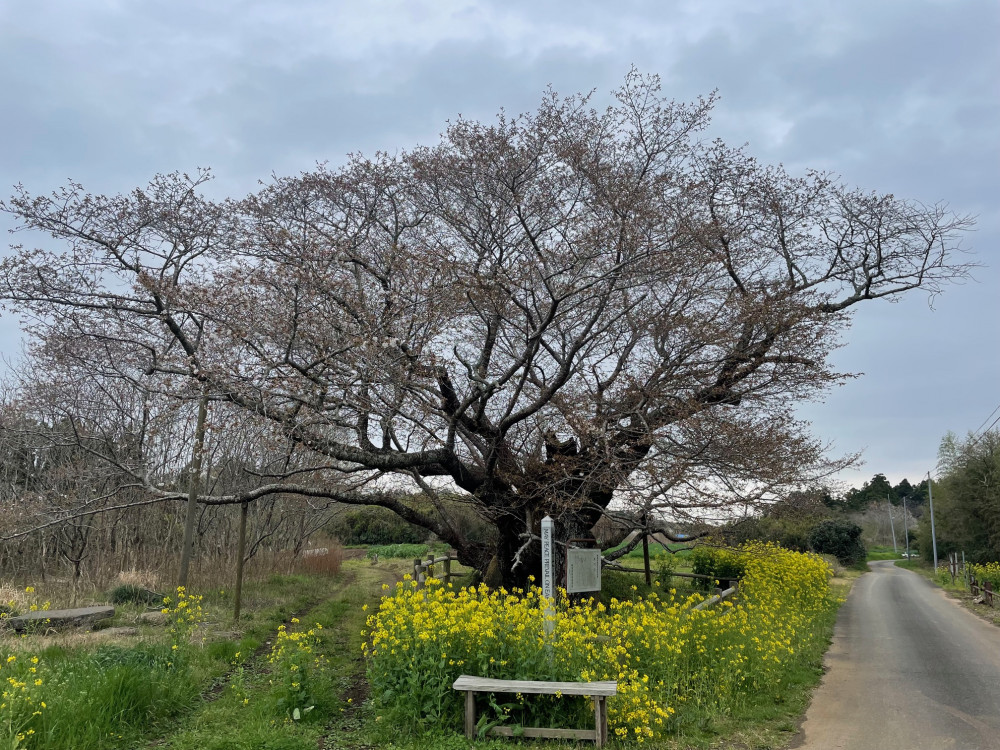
pixel 900 96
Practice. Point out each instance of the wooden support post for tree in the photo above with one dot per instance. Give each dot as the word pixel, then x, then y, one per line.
pixel 194 477
pixel 240 555
pixel 645 550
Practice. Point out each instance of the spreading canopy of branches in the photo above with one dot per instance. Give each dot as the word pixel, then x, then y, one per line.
pixel 548 311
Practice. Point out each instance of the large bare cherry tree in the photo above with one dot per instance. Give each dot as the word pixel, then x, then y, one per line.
pixel 554 313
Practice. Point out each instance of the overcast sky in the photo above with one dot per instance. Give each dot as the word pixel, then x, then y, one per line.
pixel 901 96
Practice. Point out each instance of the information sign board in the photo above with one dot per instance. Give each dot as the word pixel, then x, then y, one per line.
pixel 583 570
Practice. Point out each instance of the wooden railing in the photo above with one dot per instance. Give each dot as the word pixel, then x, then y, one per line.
pixel 424 569
pixel 984 589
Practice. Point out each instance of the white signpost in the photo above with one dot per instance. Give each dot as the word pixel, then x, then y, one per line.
pixel 548 573
pixel 548 584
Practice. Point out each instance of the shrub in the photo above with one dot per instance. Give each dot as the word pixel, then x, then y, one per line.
pixel 398 551
pixel 990 572
pixel 374 525
pixel 720 563
pixel 666 565
pixel 842 539
pixel 790 533
pixel 129 593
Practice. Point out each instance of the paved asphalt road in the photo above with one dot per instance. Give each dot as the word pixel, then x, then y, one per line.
pixel 908 669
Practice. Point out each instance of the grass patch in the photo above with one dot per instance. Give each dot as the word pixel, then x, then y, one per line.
pixel 397 551
pixel 405 551
pixel 108 698
pixel 108 694
pixel 917 566
pixel 252 710
pixel 883 553
pixel 941 576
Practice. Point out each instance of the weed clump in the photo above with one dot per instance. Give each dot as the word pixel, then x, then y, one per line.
pixel 130 593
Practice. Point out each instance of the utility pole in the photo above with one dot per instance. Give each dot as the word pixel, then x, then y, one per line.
pixel 930 497
pixel 906 531
pixel 892 525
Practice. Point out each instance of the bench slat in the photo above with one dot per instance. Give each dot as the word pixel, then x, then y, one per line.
pixel 536 687
pixel 561 734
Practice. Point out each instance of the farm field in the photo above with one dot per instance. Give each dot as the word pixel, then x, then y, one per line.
pixel 292 676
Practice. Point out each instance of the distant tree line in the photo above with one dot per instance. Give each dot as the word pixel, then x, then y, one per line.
pixel 878 490
pixel 966 499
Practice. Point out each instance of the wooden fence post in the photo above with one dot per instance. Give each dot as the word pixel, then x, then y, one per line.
pixel 418 572
pixel 446 565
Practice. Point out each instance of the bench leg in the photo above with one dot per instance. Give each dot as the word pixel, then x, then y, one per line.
pixel 470 714
pixel 604 721
pixel 598 723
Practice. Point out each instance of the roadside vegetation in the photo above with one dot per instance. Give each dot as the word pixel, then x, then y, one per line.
pixel 150 670
pixel 679 668
pixel 966 500
pixel 291 674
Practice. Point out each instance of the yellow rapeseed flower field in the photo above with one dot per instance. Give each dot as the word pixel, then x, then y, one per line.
pixel 986 572
pixel 667 657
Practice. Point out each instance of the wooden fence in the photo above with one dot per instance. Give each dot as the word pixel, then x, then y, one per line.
pixel 984 589
pixel 424 569
pixel 724 583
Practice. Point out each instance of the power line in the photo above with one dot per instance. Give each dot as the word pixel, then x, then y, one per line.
pixel 978 433
pixel 987 420
pixel 986 431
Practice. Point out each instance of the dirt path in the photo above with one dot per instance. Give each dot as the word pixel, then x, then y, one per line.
pixel 908 669
pixel 356 691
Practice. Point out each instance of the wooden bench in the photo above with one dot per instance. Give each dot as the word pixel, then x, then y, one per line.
pixel 599 691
